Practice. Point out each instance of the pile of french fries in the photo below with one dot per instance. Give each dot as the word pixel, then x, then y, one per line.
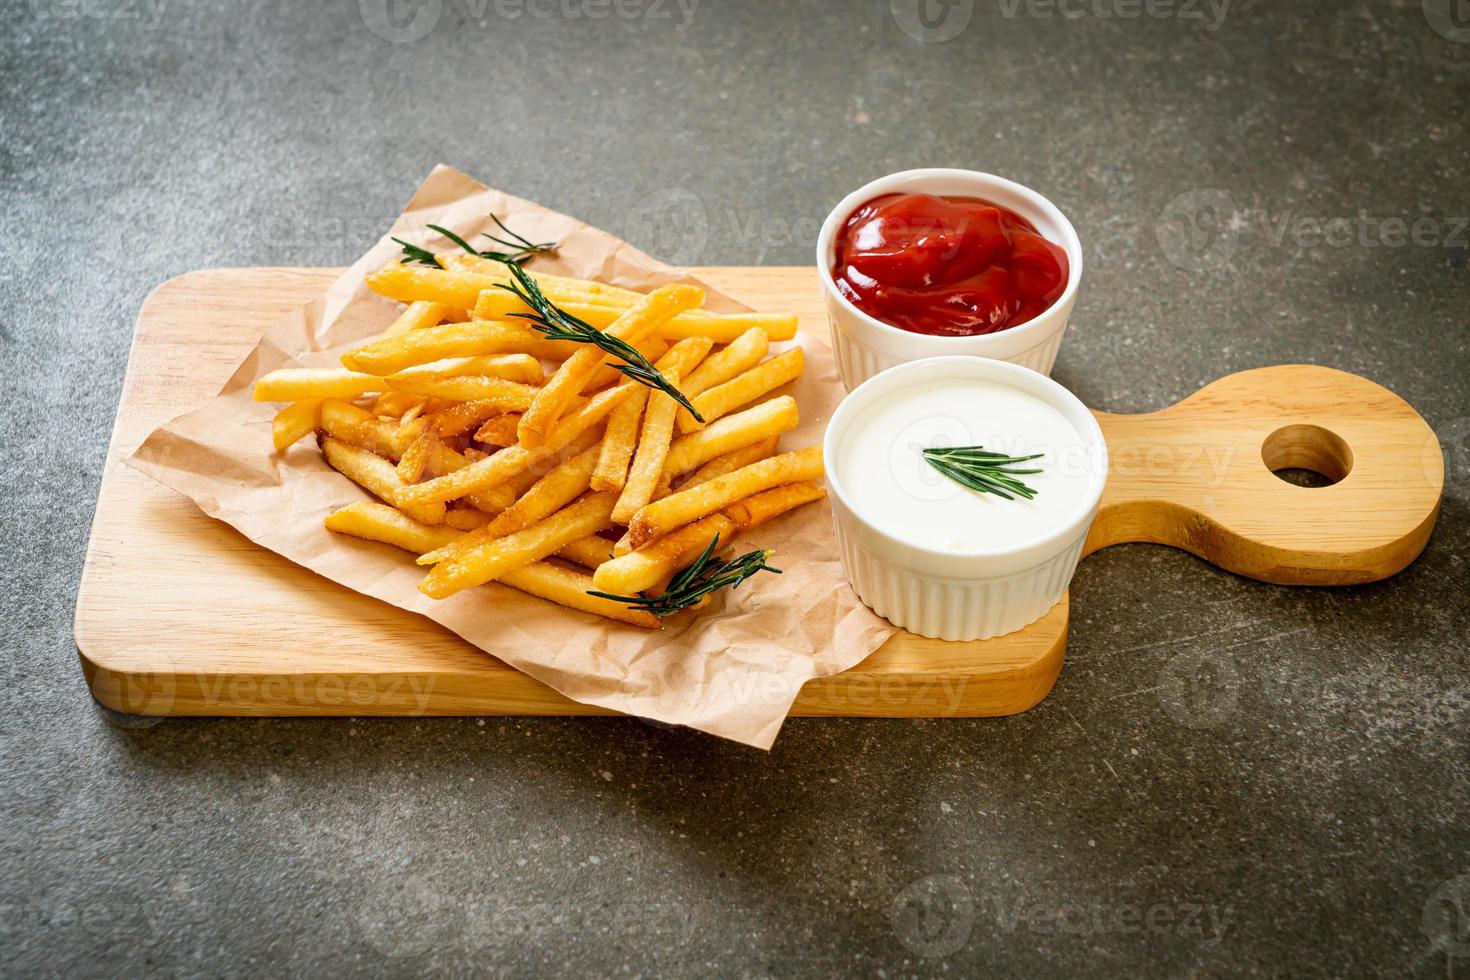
pixel 500 455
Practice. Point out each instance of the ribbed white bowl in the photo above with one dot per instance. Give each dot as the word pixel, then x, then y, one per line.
pixel 866 345
pixel 949 595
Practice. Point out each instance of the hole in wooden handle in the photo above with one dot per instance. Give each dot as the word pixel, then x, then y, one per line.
pixel 1308 447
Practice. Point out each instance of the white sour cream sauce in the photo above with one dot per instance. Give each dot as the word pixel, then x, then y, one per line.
pixel 891 484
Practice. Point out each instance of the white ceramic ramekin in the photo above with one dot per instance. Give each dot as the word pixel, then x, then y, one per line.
pixel 866 345
pixel 962 595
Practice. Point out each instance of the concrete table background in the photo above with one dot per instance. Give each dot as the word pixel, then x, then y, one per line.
pixel 1229 778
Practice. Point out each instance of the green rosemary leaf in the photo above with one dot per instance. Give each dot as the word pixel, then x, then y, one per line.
pixel 707 574
pixel 521 248
pixel 984 471
pixel 557 324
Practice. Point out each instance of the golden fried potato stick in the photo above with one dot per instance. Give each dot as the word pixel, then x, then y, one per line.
pixel 632 326
pixel 512 367
pixel 642 568
pixel 747 387
pixel 619 442
pixel 547 495
pixel 396 404
pixel 648 460
pixel 373 521
pixel 462 417
pixel 378 522
pixel 742 354
pixel 376 475
pixel 722 328
pixel 556 288
pixel 389 355
pixel 491 559
pixel 347 423
pixel 511 396
pixel 755 424
pixel 512 460
pixel 295 421
pixel 500 430
pixel 759 508
pixel 686 506
pixel 420 313
pixel 588 552
pixel 730 462
pixel 466 518
pixel 299 384
pixel 416 457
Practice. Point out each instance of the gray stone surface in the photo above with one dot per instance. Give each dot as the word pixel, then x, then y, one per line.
pixel 1229 778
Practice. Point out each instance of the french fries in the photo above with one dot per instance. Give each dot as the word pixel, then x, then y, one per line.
pixel 631 326
pixel 653 447
pixel 390 355
pixel 294 422
pixel 770 418
pixel 744 352
pixel 415 415
pixel 686 506
pixel 747 387
pixel 298 384
pixel 488 560
pixel 377 522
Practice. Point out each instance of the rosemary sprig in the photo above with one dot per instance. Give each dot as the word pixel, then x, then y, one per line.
pixel 557 324
pixel 707 574
pixel 982 471
pixel 520 248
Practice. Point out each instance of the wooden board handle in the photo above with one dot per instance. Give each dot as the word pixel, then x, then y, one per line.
pixel 1198 476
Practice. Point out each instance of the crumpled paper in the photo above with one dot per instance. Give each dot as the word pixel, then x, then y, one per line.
pixel 733 669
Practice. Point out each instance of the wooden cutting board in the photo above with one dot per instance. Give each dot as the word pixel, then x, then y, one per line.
pixel 179 614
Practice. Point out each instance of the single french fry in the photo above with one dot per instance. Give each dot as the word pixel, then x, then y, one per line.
pixel 499 430
pixel 462 417
pixel 511 396
pixel 633 325
pixel 570 588
pixel 390 355
pixel 376 475
pixel 491 559
pixel 416 457
pixel 512 367
pixel 759 508
pixel 747 387
pixel 379 522
pixel 396 404
pixel 411 283
pixel 355 426
pixel 742 354
pixel 755 424
pixel 294 421
pixel 619 442
pixel 556 288
pixel 419 314
pixel 588 552
pixel 465 519
pixel 512 460
pixel 299 384
pixel 547 495
pixel 686 506
pixel 730 462
pixel 648 461
pixel 642 568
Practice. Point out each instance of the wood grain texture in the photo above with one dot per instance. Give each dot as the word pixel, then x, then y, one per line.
pixel 178 614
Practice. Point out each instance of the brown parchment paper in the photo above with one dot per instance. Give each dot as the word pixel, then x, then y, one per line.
pixel 732 670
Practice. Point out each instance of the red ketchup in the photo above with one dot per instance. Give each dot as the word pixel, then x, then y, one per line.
pixel 954 266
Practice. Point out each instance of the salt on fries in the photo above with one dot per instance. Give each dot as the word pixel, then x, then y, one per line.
pixel 589 444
